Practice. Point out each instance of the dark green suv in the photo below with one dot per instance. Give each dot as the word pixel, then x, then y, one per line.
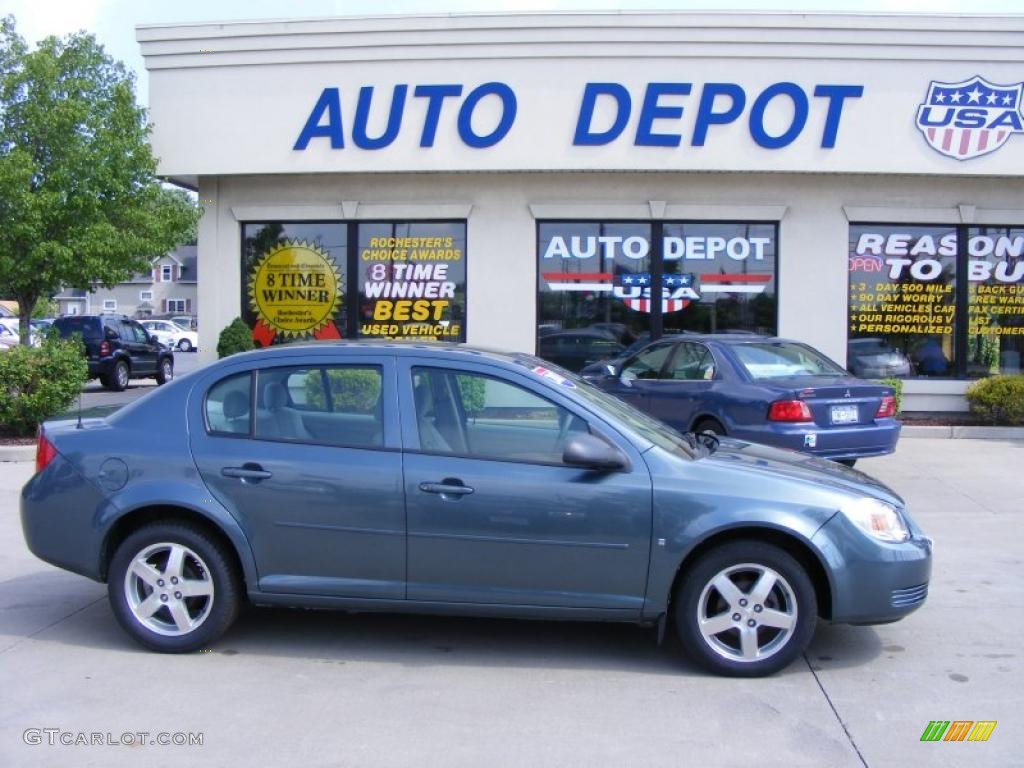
pixel 118 349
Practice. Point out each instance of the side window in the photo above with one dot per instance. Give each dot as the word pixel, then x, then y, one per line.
pixel 140 333
pixel 692 362
pixel 228 410
pixel 648 364
pixel 470 414
pixel 329 405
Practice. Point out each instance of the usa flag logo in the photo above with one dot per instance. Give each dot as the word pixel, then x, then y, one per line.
pixel 971 118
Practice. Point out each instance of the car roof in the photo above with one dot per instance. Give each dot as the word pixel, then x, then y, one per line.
pixel 400 349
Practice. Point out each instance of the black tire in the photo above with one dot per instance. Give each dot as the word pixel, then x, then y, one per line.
pixel 104 380
pixel 119 377
pixel 742 563
pixel 710 425
pixel 205 566
pixel 184 345
pixel 848 462
pixel 164 370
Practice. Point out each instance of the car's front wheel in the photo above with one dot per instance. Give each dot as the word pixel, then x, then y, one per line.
pixel 173 588
pixel 184 345
pixel 746 609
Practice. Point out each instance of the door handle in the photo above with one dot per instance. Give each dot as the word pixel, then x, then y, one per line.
pixel 446 488
pixel 247 472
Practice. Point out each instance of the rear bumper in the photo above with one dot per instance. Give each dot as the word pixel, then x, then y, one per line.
pixel 873 582
pixel 853 442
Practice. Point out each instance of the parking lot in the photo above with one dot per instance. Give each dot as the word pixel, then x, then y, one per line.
pixel 323 689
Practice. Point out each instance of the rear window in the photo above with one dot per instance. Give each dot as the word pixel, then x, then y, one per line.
pixel 88 327
pixel 770 360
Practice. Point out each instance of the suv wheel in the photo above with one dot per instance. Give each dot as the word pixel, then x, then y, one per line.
pixel 745 609
pixel 118 378
pixel 172 588
pixel 164 371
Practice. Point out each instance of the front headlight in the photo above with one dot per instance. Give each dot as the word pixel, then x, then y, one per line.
pixel 876 518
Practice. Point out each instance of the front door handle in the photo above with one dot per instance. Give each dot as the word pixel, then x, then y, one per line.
pixel 446 488
pixel 247 471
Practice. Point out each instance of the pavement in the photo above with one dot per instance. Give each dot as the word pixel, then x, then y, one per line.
pixel 335 689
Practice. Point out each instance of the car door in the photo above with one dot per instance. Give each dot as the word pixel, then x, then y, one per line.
pixel 494 516
pixel 640 374
pixel 307 459
pixel 684 384
pixel 143 351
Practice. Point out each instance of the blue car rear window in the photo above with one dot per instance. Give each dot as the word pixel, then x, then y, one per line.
pixel 772 360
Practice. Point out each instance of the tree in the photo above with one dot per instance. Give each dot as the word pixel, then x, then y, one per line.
pixel 80 202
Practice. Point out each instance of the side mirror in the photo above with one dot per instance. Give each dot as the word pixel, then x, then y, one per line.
pixel 590 452
pixel 111 334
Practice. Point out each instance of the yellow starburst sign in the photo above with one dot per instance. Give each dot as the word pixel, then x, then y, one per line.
pixel 295 288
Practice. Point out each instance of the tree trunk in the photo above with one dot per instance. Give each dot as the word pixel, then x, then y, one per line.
pixel 25 304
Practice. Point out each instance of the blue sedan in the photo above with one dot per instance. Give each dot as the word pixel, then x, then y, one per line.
pixel 765 390
pixel 432 478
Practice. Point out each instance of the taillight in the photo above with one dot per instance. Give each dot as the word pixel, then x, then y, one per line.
pixel 104 349
pixel 789 410
pixel 886 408
pixel 45 452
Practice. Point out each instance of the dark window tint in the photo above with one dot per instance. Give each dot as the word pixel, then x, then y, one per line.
pixel 468 414
pixel 88 327
pixel 228 406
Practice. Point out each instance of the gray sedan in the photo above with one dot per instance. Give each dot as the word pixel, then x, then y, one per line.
pixel 453 480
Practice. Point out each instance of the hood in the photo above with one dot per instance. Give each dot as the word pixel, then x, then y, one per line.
pixel 801 467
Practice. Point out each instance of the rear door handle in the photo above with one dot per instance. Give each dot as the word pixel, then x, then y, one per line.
pixel 247 472
pixel 446 488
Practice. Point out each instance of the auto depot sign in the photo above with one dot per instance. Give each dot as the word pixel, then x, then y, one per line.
pixel 661 109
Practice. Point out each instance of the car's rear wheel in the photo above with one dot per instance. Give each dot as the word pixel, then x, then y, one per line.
pixel 185 345
pixel 709 425
pixel 164 371
pixel 119 377
pixel 848 462
pixel 172 588
pixel 745 609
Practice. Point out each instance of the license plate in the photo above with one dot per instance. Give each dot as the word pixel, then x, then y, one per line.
pixel 845 414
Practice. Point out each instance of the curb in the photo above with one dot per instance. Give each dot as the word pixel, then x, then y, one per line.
pixel 17 452
pixel 964 433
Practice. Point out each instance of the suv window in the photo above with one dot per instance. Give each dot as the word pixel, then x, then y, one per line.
pixel 136 330
pixel 470 414
pixel 88 327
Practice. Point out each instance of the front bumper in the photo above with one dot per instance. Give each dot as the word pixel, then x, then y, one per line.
pixel 873 582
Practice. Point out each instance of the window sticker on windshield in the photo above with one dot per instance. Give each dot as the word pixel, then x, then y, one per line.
pixel 550 375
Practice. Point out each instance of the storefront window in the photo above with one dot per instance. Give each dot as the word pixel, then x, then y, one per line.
pixel 731 268
pixel 293 280
pixel 902 301
pixel 995 313
pixel 412 281
pixel 935 301
pixel 405 281
pixel 605 285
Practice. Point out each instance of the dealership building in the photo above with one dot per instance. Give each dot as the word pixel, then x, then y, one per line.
pixel 550 182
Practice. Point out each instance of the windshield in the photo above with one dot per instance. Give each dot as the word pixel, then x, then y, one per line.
pixel 643 425
pixel 777 359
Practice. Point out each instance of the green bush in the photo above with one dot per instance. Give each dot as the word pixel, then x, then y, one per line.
pixel 897 390
pixel 998 399
pixel 474 392
pixel 235 338
pixel 39 382
pixel 352 391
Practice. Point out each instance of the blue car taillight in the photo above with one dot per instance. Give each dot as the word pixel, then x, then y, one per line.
pixel 789 410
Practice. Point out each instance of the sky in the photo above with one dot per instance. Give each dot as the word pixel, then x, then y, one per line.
pixel 113 21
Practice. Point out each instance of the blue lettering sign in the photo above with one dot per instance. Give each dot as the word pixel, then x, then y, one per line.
pixel 652 110
pixel 585 136
pixel 757 131
pixel 435 95
pixel 329 102
pixel 508 115
pixel 359 136
pixel 706 115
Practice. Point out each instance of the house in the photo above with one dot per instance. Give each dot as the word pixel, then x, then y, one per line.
pixel 169 287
